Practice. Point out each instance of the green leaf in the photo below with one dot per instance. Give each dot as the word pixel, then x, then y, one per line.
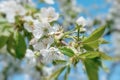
pixel 89 55
pixel 95 35
pixel 67 73
pixel 94 44
pixel 20 45
pixel 67 51
pixel 102 41
pixel 3 40
pixel 87 47
pixel 11 45
pixel 16 45
pixel 5 29
pixel 56 73
pixel 92 68
pixel 56 62
pixel 105 57
pixel 3 20
pixel 105 68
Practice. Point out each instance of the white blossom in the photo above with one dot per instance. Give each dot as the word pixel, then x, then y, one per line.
pixel 43 44
pixel 33 41
pixel 11 9
pixel 51 54
pixel 40 29
pixel 37 28
pixel 48 14
pixel 55 29
pixel 30 55
pixel 28 19
pixel 29 23
pixel 48 70
pixel 81 21
pixel 28 27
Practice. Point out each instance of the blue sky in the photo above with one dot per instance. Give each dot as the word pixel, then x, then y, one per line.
pixel 101 6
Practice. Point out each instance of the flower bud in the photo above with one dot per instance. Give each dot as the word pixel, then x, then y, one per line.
pixel 81 21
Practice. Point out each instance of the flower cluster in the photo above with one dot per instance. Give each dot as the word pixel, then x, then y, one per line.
pixel 44 33
pixel 11 9
pixel 41 24
pixel 36 35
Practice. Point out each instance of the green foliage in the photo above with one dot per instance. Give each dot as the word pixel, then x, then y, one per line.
pixel 94 54
pixel 67 51
pixel 55 74
pixel 56 62
pixel 92 62
pixel 92 46
pixel 16 45
pixel 95 35
pixel 3 40
pixel 20 45
pixel 67 72
pixel 89 55
pixel 91 58
pixel 11 45
pixel 105 57
pixel 92 68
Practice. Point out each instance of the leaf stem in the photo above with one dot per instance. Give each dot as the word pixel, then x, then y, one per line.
pixel 78 35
